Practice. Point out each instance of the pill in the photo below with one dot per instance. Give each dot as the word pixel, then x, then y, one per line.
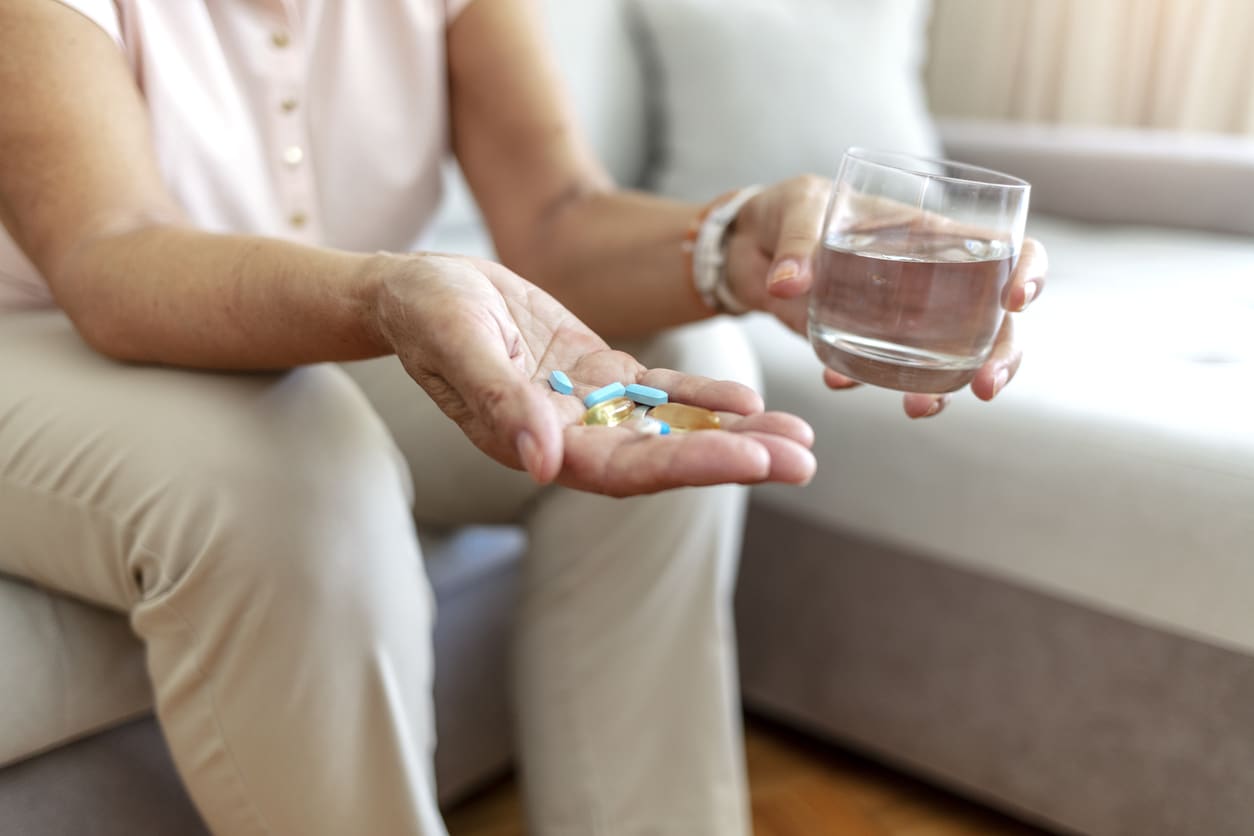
pixel 683 417
pixel 646 395
pixel 648 426
pixel 605 393
pixel 640 411
pixel 560 382
pixel 609 413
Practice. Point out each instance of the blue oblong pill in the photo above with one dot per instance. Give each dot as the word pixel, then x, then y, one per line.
pixel 613 390
pixel 560 383
pixel 646 395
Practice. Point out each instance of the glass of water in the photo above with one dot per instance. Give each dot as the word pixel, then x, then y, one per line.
pixel 915 256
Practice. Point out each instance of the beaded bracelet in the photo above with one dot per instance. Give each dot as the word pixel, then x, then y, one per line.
pixel 706 246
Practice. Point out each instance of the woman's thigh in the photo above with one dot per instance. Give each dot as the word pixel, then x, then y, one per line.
pixel 113 477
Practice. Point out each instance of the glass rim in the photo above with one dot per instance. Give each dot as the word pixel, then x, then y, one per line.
pixel 991 178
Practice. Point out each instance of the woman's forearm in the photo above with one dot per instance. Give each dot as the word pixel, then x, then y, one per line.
pixel 617 259
pixel 168 294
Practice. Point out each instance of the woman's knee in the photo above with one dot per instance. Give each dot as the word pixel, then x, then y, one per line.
pixel 303 496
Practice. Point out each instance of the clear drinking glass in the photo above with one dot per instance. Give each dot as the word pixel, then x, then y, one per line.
pixel 915 257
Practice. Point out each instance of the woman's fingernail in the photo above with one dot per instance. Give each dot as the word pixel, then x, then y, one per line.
pixel 1000 381
pixel 784 271
pixel 529 453
pixel 1029 293
pixel 935 408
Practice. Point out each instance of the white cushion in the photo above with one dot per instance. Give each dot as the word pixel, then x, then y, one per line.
pixel 1118 468
pixel 752 91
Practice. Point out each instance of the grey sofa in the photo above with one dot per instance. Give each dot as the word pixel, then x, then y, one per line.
pixel 1043 603
pixel 111 775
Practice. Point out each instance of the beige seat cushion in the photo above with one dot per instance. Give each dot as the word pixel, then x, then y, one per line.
pixel 67 669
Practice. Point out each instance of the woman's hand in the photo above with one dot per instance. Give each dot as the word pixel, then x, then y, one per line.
pixel 481 341
pixel 770 268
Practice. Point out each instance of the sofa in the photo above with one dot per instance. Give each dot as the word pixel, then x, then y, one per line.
pixel 1041 603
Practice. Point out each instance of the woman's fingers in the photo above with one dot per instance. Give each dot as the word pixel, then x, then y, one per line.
pixel 623 462
pixel 924 406
pixel 782 424
pixel 1002 363
pixel 770 447
pixel 791 463
pixel 719 395
pixel 764 447
pixel 795 313
pixel 1028 279
pixel 798 206
pixel 836 380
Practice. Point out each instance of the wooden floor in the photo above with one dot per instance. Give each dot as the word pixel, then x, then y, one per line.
pixel 801 788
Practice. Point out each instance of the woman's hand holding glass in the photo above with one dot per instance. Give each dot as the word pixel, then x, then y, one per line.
pixel 771 267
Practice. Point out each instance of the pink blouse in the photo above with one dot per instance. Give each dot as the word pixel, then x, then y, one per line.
pixel 322 121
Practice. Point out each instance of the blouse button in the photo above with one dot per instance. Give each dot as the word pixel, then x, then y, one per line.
pixel 288 105
pixel 280 40
pixel 297 220
pixel 293 154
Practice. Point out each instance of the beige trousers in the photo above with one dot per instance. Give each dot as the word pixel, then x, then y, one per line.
pixel 259 531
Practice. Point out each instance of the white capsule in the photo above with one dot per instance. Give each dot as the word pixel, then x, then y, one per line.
pixel 648 426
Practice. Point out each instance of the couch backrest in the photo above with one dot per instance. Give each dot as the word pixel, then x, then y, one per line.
pixel 601 63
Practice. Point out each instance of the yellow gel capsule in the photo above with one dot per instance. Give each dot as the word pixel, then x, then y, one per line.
pixel 681 416
pixel 609 413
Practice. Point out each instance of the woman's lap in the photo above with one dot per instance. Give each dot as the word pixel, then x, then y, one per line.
pixel 91 450
pixel 104 466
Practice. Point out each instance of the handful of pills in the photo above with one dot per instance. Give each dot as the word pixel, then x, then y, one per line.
pixel 642 408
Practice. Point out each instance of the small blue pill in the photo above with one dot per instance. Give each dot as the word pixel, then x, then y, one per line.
pixel 666 428
pixel 614 390
pixel 560 382
pixel 646 395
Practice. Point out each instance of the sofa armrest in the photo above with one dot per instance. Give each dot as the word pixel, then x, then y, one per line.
pixel 1118 175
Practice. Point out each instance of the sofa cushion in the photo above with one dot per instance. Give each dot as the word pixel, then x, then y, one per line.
pixel 1116 471
pixel 748 91
pixel 67 669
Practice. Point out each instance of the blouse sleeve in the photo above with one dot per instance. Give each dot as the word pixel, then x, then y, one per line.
pixel 105 15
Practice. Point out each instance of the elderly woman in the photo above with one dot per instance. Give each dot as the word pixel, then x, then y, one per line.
pixel 200 195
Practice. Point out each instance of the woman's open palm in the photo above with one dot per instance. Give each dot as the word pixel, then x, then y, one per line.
pixel 482 341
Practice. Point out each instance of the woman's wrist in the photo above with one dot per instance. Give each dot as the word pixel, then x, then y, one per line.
pixel 382 287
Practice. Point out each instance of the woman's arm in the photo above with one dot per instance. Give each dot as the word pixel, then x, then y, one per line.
pixel 613 257
pixel 81 194
pixel 616 258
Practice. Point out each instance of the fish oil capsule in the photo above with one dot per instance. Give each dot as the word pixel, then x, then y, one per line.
pixel 683 417
pixel 609 413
